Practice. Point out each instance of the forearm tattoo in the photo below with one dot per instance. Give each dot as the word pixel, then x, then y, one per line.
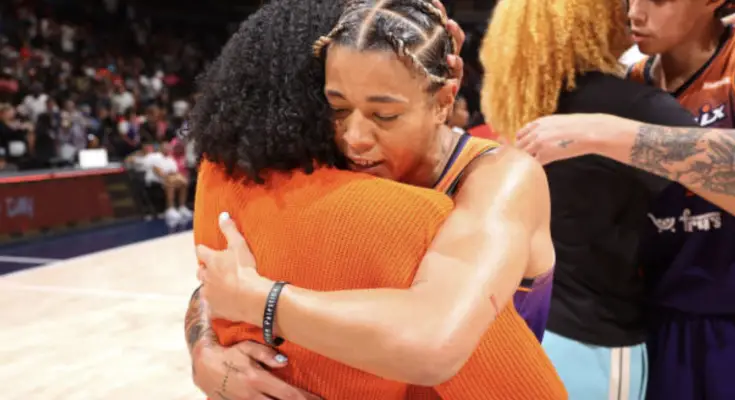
pixel 700 158
pixel 197 325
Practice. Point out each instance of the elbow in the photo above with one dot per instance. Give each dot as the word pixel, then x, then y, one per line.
pixel 432 359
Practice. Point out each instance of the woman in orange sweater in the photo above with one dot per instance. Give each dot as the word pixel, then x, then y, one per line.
pixel 383 117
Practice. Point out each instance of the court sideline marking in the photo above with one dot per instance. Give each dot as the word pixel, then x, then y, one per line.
pixel 28 260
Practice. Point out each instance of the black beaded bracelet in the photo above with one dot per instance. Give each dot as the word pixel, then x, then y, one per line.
pixel 269 316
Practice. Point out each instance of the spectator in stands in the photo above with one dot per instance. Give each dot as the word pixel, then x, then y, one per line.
pixel 8 85
pixel 35 102
pixel 178 153
pixel 107 69
pixel 104 128
pixel 180 108
pixel 45 146
pixel 155 128
pixel 52 109
pixel 16 137
pixel 72 136
pixel 121 99
pixel 5 166
pixel 128 138
pixel 161 168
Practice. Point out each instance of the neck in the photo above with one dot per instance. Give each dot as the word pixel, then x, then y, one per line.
pixel 683 61
pixel 436 159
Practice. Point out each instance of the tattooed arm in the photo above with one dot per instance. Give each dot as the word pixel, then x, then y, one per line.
pixel 701 159
pixel 240 372
pixel 198 329
pixel 668 143
pixel 197 326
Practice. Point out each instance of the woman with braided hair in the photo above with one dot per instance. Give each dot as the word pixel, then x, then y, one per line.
pixel 390 89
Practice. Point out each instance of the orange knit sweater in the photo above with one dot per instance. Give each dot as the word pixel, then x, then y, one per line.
pixel 335 230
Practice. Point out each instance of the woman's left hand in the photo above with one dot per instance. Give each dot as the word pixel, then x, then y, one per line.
pixel 231 285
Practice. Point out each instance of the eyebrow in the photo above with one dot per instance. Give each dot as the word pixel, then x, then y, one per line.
pixel 372 99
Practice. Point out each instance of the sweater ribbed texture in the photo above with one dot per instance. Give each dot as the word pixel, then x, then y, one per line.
pixel 336 230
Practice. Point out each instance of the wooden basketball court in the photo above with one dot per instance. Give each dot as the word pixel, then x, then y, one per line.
pixel 104 326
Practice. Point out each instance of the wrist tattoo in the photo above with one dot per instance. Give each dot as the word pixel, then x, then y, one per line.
pixel 197 324
pixel 565 143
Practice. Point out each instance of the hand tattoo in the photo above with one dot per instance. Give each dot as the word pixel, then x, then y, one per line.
pixel 565 143
pixel 700 158
pixel 223 388
pixel 197 324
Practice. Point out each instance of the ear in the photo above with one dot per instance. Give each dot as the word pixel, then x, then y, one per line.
pixel 444 100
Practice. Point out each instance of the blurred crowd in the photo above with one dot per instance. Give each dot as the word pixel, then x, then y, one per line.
pixel 101 76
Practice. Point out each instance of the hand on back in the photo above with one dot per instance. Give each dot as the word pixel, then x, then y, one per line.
pixel 241 372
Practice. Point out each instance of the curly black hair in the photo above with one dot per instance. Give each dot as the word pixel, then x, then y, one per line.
pixel 262 105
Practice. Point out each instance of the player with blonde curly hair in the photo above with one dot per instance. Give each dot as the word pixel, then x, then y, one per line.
pixel 689 256
pixel 545 57
pixel 541 47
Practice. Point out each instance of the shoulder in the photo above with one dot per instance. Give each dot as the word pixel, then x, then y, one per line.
pixel 608 94
pixel 507 177
pixel 482 143
pixel 213 180
pixel 654 106
pixel 508 163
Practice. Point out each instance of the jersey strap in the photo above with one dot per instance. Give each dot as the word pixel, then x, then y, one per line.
pixel 641 71
pixel 472 149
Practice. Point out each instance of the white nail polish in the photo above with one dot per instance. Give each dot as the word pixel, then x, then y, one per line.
pixel 224 216
pixel 280 358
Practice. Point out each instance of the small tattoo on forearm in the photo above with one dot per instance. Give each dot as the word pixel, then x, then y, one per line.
pixel 565 143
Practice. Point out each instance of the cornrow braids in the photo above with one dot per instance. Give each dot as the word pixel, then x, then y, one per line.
pixel 414 29
pixel 411 60
pixel 433 11
pixel 324 41
pixel 440 17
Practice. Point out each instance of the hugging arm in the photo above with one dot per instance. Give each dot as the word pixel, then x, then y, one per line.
pixel 423 335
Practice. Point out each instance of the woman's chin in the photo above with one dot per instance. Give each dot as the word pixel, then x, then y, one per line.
pixel 379 170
